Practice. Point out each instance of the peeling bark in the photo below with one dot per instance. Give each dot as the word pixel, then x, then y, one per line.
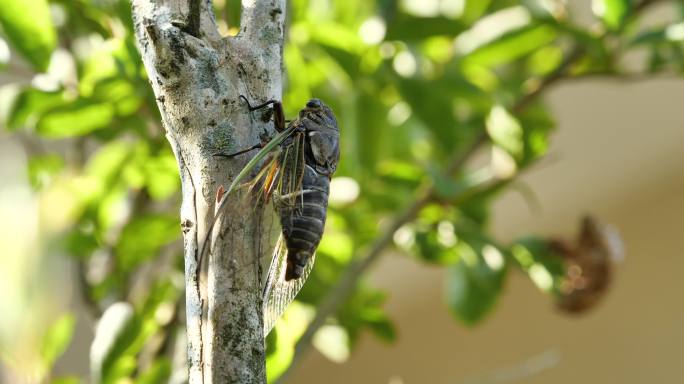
pixel 197 77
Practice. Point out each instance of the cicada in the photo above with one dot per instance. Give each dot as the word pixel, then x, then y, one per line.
pixel 295 177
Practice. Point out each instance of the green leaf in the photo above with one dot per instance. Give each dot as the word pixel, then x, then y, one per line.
pixel 412 28
pixel 57 339
pixel 431 102
pixel 332 341
pixel 364 311
pixel 161 173
pixel 512 45
pixel 649 37
pixel 42 168
pixel 75 119
pixel 28 26
pixel 159 372
pixel 505 131
pixel 475 281
pixel 435 243
pixel 5 54
pixel 539 124
pixel 142 237
pixel 67 380
pixel 107 163
pixel 120 335
pixel 371 130
pixel 544 267
pixel 613 13
pixel 281 341
pixel 30 105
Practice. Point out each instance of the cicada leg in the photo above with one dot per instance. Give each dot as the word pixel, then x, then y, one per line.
pixel 279 123
pixel 278 114
pixel 288 198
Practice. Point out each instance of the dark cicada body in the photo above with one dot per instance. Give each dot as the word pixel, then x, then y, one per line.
pixel 303 222
pixel 303 211
pixel 297 179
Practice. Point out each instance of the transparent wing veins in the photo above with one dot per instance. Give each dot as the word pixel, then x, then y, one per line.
pixel 278 293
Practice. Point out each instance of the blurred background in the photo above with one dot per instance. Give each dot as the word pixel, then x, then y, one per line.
pixel 566 109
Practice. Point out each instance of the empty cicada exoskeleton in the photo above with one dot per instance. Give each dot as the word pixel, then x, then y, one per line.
pixel 588 264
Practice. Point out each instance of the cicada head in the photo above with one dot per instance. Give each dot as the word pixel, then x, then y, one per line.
pixel 323 135
pixel 319 113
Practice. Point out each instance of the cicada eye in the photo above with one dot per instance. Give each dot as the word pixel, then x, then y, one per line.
pixel 313 103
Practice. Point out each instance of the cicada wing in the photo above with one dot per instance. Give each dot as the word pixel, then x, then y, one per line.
pixel 278 293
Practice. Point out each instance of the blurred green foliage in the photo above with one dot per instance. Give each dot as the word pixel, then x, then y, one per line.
pixel 413 83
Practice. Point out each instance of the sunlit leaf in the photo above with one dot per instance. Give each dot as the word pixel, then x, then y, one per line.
pixel 28 26
pixel 474 9
pixel 337 36
pixel 364 311
pixel 411 28
pixel 75 119
pixel 613 13
pixel 512 45
pixel 108 160
pixel 109 61
pixel 475 282
pixel 337 244
pixel 30 105
pixel 540 263
pixel 538 125
pixel 66 380
pixel 57 339
pixel 431 246
pixel 545 60
pixel 159 372
pixel 161 174
pixel 333 342
pixel 280 346
pixel 42 168
pixel 116 328
pixel 431 102
pixel 142 237
pixel 505 131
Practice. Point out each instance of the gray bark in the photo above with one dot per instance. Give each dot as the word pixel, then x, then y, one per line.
pixel 197 76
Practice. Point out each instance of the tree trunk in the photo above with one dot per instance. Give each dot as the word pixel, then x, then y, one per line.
pixel 197 76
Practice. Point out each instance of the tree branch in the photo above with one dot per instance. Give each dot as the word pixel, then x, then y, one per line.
pixel 197 77
pixel 428 194
pixel 263 18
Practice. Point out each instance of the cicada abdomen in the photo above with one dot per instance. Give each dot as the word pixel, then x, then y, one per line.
pixel 303 219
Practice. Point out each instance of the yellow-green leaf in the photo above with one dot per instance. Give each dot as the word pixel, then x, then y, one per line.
pixel 612 12
pixel 75 119
pixel 57 339
pixel 505 131
pixel 28 26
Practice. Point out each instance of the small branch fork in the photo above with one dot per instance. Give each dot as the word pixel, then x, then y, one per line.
pixel 351 276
